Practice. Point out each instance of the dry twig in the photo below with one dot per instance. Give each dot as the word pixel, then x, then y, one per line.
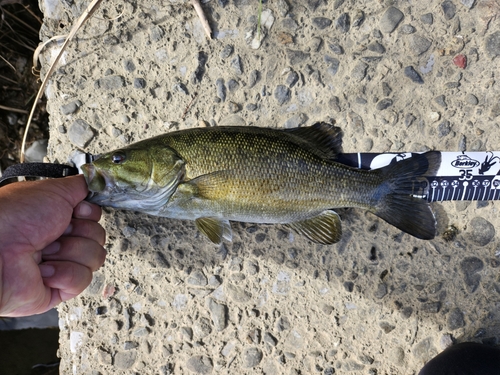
pixel 199 10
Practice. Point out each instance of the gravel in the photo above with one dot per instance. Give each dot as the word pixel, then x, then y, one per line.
pixel 390 20
pixel 455 319
pixel 481 231
pixel 470 267
pixel 80 133
pixel 70 108
pixel 492 44
pixel 412 74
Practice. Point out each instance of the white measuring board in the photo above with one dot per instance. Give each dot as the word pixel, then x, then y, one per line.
pixel 472 176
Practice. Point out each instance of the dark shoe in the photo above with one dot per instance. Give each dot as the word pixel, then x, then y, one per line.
pixel 468 358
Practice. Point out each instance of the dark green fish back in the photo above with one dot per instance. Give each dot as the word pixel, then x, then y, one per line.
pixel 271 173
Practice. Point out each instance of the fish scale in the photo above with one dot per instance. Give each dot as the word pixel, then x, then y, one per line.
pixel 260 175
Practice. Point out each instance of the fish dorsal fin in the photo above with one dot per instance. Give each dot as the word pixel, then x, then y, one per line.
pixel 214 228
pixel 324 228
pixel 321 138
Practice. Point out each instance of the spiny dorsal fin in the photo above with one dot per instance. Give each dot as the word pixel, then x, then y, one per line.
pixel 324 228
pixel 321 138
pixel 214 228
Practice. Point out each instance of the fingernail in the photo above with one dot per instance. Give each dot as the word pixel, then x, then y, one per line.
pixel 46 270
pixel 84 209
pixel 52 248
pixel 68 230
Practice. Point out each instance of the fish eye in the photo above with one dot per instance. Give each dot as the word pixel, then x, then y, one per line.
pixel 118 157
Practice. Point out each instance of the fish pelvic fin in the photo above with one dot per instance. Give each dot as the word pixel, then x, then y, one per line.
pixel 324 228
pixel 215 229
pixel 394 201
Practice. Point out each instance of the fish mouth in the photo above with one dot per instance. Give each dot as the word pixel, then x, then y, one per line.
pixel 95 180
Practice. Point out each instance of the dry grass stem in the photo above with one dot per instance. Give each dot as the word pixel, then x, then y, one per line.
pixel 91 8
pixel 13 109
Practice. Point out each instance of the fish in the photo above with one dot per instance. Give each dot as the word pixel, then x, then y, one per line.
pixel 216 175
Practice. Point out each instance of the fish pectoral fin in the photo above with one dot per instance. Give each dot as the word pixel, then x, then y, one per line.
pixel 214 228
pixel 324 228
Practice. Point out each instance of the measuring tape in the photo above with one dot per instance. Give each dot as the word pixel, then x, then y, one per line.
pixel 466 176
pixel 462 176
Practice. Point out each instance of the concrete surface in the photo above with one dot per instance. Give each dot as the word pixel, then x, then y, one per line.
pixel 379 302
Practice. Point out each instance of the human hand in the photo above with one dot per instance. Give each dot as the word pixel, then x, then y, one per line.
pixel 50 243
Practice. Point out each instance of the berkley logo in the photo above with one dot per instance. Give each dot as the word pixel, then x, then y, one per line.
pixel 463 161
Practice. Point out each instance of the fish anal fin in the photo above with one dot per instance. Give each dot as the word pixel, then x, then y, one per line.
pixel 322 138
pixel 215 229
pixel 324 228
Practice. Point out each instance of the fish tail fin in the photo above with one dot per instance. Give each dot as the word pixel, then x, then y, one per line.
pixel 394 201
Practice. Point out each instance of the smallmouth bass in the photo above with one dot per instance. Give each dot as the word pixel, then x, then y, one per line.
pixel 259 175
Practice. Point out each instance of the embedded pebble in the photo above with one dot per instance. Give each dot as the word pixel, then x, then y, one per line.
pixel 321 22
pixel 110 83
pixel 468 3
pixel 441 100
pixel 218 313
pixel 336 48
pixel 460 61
pixel 125 360
pixel 236 65
pixel 80 133
pixel 427 18
pixel 470 267
pixel 200 364
pixel 471 99
pixel 70 108
pixel 444 128
pixel 384 104
pixel 251 357
pixel 376 47
pixel 270 339
pixel 221 89
pixel 232 85
pixel 202 328
pixel 227 51
pixel 156 33
pixel 411 73
pixel 297 57
pixel 359 71
pixel 481 231
pixel 129 65
pixel 419 44
pixel 282 94
pixel 292 79
pixel 337 4
pixel 424 350
pixel 295 121
pixel 358 18
pixel 237 293
pixel 492 44
pixel 381 291
pixel 253 78
pixel 455 319
pixel 333 65
pixel 139 83
pixel 197 278
pixel 390 20
pixel 407 29
pixel 343 23
pixel 449 9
